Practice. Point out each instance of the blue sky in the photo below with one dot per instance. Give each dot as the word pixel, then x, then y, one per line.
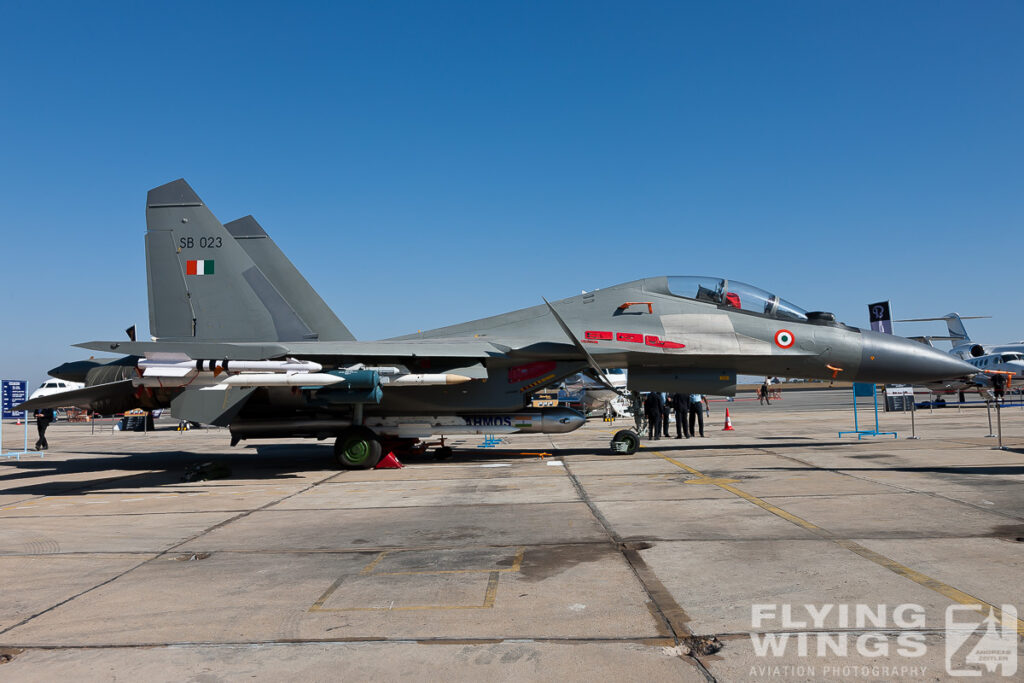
pixel 428 163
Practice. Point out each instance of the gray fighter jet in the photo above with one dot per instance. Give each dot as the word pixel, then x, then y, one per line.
pixel 240 339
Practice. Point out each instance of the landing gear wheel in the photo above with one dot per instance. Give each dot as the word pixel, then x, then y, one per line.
pixel 358 448
pixel 625 442
pixel 443 453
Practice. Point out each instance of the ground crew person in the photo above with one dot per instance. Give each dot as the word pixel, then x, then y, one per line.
pixel 681 402
pixel 44 416
pixel 697 404
pixel 652 407
pixel 765 388
pixel 666 408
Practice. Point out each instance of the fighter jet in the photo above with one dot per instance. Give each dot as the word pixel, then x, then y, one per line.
pixel 241 340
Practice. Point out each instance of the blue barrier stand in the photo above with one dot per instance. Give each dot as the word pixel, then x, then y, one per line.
pixel 865 389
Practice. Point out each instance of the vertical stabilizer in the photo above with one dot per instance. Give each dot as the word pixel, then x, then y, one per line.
pixel 957 331
pixel 287 279
pixel 202 284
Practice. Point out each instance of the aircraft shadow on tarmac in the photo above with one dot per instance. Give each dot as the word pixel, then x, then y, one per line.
pixel 157 469
pixel 154 470
pixel 283 462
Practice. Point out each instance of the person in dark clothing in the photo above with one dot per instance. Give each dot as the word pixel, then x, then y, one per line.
pixel 999 386
pixel 649 413
pixel 659 408
pixel 697 404
pixel 681 402
pixel 765 388
pixel 666 408
pixel 652 407
pixel 44 417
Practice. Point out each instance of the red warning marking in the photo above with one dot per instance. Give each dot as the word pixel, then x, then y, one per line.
pixel 521 373
pixel 630 337
pixel 598 335
pixel 784 339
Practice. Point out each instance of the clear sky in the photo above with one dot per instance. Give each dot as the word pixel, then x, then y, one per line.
pixel 425 163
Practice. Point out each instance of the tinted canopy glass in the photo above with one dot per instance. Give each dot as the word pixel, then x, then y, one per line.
pixel 732 294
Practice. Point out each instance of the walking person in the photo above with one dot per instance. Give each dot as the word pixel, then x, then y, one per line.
pixel 681 403
pixel 698 402
pixel 44 416
pixel 765 388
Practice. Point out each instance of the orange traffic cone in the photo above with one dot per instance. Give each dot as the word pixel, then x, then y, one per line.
pixel 728 422
pixel 389 462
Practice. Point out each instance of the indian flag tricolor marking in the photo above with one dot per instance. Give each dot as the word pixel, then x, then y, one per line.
pixel 200 267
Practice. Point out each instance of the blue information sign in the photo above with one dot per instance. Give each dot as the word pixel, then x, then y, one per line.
pixel 14 391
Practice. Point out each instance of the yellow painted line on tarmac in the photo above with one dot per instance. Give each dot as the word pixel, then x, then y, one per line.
pixel 892 565
pixel 492 591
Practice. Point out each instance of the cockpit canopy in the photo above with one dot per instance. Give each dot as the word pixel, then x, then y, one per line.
pixel 732 294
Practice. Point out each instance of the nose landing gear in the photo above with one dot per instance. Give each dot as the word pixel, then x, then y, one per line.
pixel 625 442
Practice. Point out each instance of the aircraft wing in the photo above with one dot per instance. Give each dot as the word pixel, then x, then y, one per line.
pixel 79 397
pixel 410 348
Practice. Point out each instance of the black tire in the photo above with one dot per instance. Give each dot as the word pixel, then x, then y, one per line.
pixel 358 448
pixel 443 453
pixel 625 442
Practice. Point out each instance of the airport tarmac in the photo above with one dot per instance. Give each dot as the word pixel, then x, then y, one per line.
pixel 545 558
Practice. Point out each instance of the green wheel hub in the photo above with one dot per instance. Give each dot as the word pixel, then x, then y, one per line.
pixel 358 449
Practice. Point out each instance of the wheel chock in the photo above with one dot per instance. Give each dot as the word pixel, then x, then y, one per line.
pixel 389 462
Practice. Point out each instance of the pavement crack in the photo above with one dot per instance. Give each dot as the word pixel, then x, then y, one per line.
pixel 663 606
pixel 163 553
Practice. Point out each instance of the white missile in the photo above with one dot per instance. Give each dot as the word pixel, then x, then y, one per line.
pixel 192 379
pixel 171 368
pixel 425 379
pixel 272 379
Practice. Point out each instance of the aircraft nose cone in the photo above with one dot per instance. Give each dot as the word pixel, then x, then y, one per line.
pixel 891 359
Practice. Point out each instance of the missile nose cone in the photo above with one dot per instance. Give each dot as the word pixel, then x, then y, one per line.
pixel 891 359
pixel 562 420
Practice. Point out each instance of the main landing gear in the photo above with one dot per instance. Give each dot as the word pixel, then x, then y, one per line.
pixel 358 448
pixel 361 448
